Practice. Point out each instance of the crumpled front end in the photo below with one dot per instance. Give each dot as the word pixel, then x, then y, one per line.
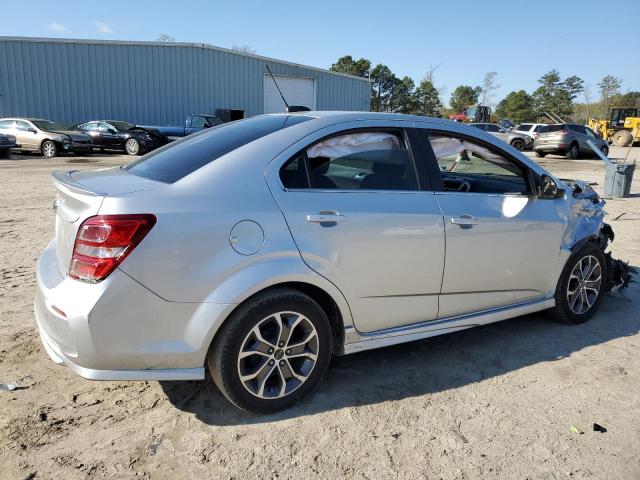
pixel 586 223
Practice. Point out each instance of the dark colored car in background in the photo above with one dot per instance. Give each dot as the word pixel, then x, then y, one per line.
pixel 195 122
pixel 7 142
pixel 121 136
pixel 568 139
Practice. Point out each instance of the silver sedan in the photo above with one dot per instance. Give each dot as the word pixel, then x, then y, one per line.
pixel 260 248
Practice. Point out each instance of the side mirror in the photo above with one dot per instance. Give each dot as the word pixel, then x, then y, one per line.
pixel 32 130
pixel 549 188
pixel 112 131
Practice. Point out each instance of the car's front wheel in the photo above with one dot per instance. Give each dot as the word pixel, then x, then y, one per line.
pixel 581 285
pixel 540 154
pixel 272 351
pixel 518 144
pixel 49 149
pixel 132 146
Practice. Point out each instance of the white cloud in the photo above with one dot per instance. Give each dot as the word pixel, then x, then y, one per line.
pixel 102 27
pixel 56 27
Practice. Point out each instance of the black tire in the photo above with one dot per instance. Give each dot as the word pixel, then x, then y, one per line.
pixel 132 146
pixel 622 138
pixel 563 311
pixel 224 354
pixel 4 153
pixel 574 151
pixel 49 149
pixel 518 144
pixel 540 154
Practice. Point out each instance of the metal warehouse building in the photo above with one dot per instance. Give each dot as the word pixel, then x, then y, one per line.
pixel 158 83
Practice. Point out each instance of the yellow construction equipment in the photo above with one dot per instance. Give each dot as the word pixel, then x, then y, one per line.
pixel 622 128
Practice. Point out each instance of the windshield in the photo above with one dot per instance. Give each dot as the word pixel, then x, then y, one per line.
pixel 48 126
pixel 182 157
pixel 121 126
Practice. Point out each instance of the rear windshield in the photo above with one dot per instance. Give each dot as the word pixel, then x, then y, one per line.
pixel 551 128
pixel 182 157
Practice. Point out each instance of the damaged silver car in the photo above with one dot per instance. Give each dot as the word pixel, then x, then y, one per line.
pixel 263 247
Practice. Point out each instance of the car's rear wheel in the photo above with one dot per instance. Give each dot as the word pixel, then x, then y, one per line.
pixel 132 146
pixel 272 351
pixel 4 153
pixel 49 149
pixel 581 285
pixel 540 154
pixel 517 144
pixel 573 151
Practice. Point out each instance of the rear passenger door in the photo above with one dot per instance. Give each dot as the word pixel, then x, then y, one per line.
pixel 358 203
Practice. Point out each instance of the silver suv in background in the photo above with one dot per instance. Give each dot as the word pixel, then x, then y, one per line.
pixel 531 129
pixel 517 140
pixel 568 139
pixel 45 136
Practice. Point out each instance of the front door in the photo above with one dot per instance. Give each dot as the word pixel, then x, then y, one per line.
pixel 353 203
pixel 502 242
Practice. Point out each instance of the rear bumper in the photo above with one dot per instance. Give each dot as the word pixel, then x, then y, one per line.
pixel 550 147
pixel 118 329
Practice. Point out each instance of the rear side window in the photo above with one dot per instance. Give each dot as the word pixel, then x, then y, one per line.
pixel 551 128
pixel 182 157
pixel 525 127
pixel 376 160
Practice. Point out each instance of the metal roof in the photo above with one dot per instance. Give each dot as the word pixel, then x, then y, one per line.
pixel 176 44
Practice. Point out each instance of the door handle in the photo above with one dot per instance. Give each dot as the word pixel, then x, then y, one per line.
pixel 465 221
pixel 326 217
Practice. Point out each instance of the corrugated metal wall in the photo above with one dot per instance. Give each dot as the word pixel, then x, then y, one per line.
pixel 147 83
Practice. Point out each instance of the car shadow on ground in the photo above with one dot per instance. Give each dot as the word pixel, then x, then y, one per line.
pixel 427 366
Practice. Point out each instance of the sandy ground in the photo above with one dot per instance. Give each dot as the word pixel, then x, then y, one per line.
pixel 492 402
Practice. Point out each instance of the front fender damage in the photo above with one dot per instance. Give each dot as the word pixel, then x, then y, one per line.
pixel 586 224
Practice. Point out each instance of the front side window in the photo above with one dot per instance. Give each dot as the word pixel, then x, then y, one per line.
pixel 197 122
pixel 493 128
pixel 375 160
pixel 524 127
pixel 468 166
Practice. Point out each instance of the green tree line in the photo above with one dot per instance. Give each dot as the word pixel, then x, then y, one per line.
pixel 554 95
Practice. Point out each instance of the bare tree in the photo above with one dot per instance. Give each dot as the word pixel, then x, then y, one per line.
pixel 488 86
pixel 430 74
pixel 163 37
pixel 586 93
pixel 243 49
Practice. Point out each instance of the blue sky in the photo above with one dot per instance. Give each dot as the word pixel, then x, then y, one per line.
pixel 518 40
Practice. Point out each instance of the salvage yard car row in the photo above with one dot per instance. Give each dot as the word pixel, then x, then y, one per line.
pixel 50 139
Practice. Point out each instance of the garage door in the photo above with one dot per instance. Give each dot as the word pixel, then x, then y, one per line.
pixel 297 91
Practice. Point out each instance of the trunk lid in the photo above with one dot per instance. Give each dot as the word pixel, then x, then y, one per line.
pixel 80 195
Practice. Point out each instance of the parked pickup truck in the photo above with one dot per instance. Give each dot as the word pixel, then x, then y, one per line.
pixel 194 123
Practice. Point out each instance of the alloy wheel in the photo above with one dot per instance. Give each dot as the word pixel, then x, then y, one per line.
pixel 278 355
pixel 132 146
pixel 49 149
pixel 584 284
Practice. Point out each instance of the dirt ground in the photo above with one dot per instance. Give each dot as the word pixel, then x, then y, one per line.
pixel 492 402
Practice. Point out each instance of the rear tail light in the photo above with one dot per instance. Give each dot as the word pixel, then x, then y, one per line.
pixel 104 241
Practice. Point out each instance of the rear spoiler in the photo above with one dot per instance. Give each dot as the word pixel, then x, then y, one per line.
pixel 64 179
